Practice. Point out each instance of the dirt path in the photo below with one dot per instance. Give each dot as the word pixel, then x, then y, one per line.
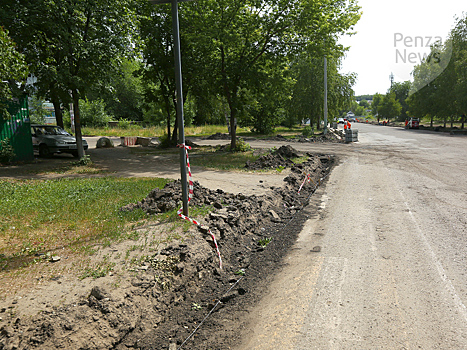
pixel 122 162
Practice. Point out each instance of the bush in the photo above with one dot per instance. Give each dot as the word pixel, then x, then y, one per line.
pixel 92 113
pixel 240 146
pixel 307 131
pixel 165 141
pixel 123 123
pixel 7 153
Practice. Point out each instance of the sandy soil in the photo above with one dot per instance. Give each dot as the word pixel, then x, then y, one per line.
pixel 122 162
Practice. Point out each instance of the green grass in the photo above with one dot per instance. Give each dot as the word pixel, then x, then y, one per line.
pixel 47 215
pixel 204 130
pixel 153 131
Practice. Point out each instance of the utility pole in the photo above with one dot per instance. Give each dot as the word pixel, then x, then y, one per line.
pixel 178 83
pixel 325 95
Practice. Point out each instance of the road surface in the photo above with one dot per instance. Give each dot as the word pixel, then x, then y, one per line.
pixel 391 271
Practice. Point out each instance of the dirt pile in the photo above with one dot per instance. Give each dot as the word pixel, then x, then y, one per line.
pixel 175 287
pixel 278 159
pixel 218 136
pixel 333 136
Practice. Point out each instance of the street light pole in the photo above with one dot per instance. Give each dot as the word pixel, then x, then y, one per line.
pixel 178 84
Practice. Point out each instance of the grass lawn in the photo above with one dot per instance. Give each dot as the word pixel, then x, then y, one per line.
pixel 153 131
pixel 205 130
pixel 41 216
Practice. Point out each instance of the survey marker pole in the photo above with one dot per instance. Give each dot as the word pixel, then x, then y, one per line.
pixel 178 84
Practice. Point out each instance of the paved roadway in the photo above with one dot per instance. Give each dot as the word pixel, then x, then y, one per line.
pixel 391 273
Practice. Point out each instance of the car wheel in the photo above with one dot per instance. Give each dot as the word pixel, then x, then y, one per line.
pixel 44 151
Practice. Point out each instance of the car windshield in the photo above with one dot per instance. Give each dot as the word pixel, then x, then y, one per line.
pixel 52 130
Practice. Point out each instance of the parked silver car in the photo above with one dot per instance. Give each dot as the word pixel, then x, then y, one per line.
pixel 50 139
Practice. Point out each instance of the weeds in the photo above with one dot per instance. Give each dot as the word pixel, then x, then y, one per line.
pixel 85 161
pixel 99 270
pixel 264 242
pixel 280 168
pixel 7 153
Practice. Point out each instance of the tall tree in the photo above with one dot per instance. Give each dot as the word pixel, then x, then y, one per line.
pixel 71 45
pixel 377 100
pixel 390 107
pixel 401 91
pixel 307 94
pixel 158 57
pixel 237 39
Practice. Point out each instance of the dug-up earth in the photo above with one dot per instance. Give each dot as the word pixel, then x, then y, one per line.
pixel 171 292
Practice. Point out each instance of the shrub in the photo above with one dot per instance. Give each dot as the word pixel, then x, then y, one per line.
pixel 92 113
pixel 240 146
pixel 123 123
pixel 307 131
pixel 165 141
pixel 7 153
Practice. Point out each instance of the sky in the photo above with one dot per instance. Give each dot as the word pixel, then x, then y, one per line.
pixel 392 36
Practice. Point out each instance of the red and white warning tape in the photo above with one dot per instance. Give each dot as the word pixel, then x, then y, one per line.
pixel 307 177
pixel 190 195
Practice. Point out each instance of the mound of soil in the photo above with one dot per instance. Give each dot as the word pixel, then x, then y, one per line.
pixel 177 286
pixel 333 136
pixel 280 158
pixel 287 152
pixel 218 136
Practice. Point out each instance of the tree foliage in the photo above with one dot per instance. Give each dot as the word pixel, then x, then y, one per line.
pixel 258 62
pixel 70 45
pixel 401 92
pixel 12 69
pixel 440 81
pixel 389 108
pixel 377 100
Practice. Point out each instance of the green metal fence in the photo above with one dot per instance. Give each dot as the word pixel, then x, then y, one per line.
pixel 18 129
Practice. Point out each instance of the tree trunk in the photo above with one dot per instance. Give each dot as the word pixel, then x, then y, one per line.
pixel 78 135
pixel 233 130
pixel 167 110
pixel 431 122
pixel 58 110
pixel 463 121
pixel 175 128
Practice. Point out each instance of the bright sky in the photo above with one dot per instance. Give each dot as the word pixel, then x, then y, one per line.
pixel 392 35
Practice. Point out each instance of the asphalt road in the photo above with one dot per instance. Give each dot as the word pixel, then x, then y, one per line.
pixel 391 271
